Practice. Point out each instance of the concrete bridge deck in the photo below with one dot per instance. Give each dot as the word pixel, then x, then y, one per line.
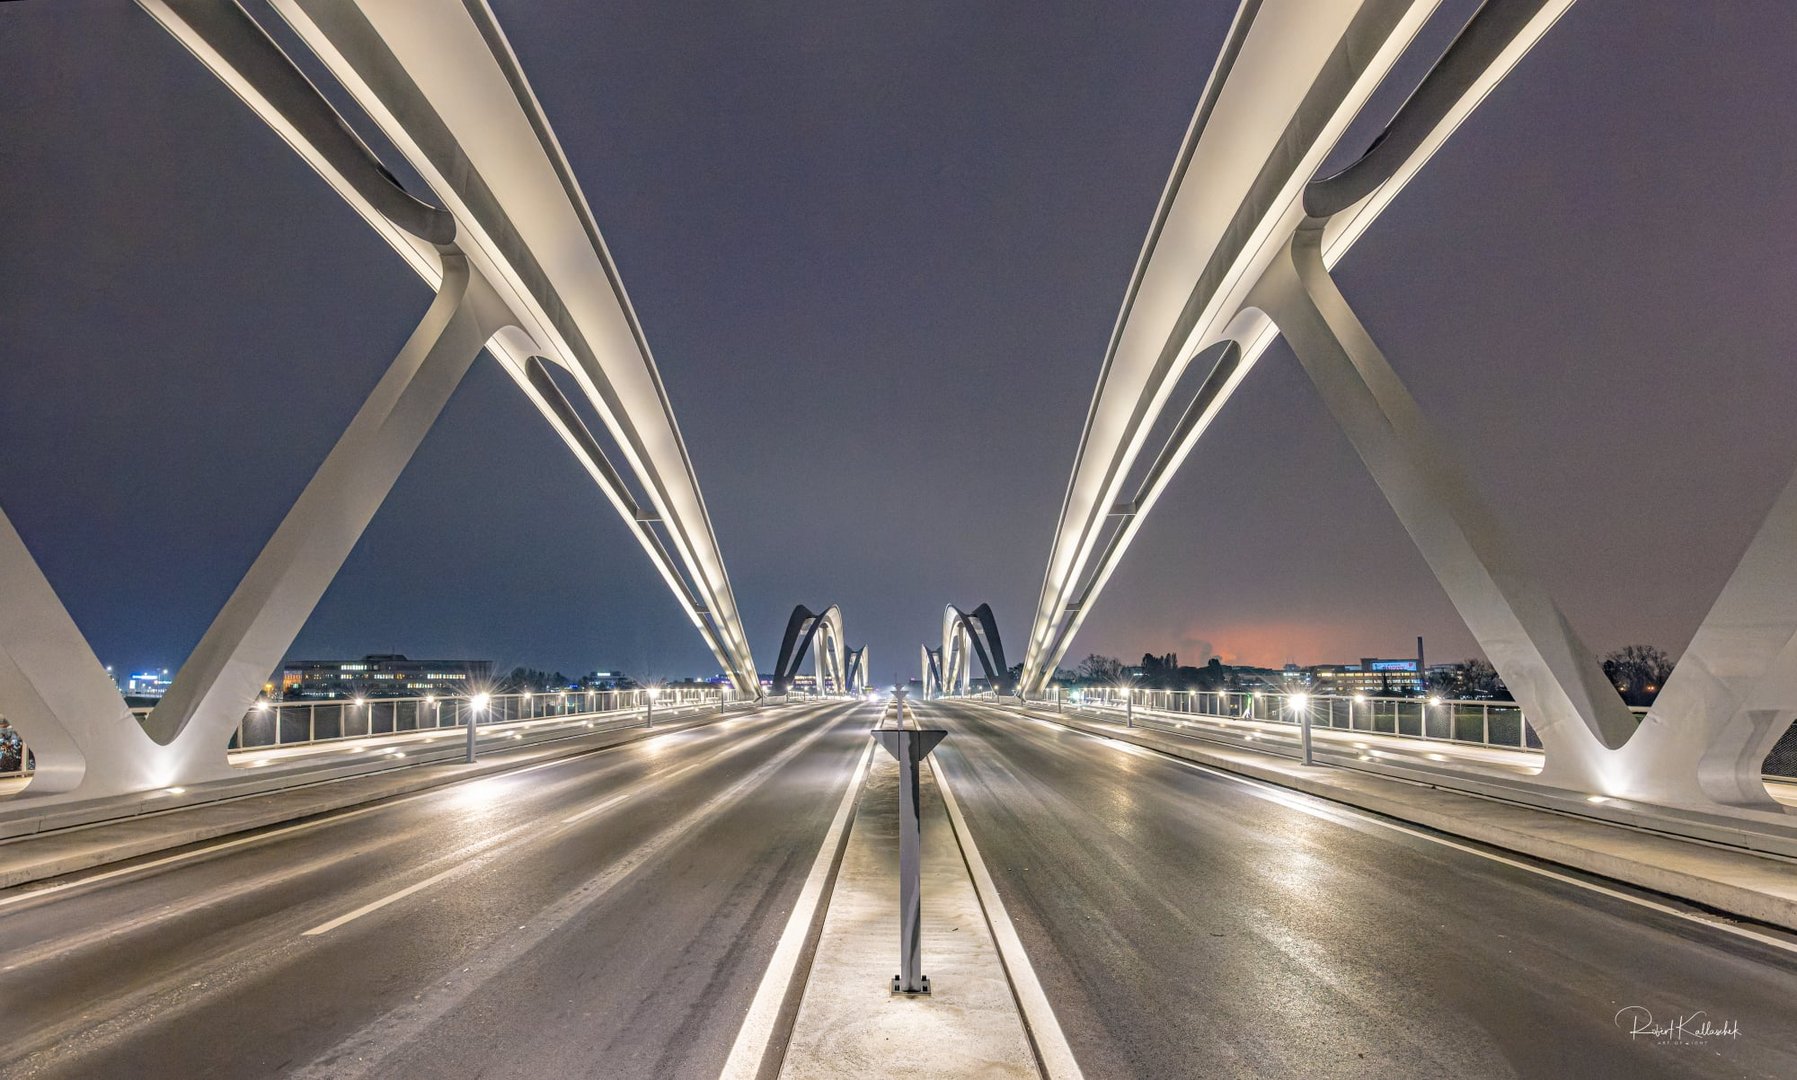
pixel 618 913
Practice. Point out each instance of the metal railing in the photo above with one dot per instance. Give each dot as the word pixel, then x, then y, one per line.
pixel 281 724
pixel 1498 724
pixel 1486 723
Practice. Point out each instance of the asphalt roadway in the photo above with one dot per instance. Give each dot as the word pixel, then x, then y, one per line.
pixel 612 914
pixel 606 915
pixel 1186 924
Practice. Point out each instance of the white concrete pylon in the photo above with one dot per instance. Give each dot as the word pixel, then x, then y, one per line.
pixel 85 740
pixel 827 653
pixel 1733 693
pixel 440 78
pixel 1289 80
pixel 957 653
pixel 249 636
pixel 441 81
pixel 57 694
pixel 1556 679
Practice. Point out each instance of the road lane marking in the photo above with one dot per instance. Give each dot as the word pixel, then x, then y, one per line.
pixel 329 818
pixel 1046 1036
pixel 1305 802
pixel 750 1048
pixel 325 928
pixel 478 854
pixel 396 1032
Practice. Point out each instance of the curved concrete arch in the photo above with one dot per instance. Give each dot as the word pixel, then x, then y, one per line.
pixel 1291 77
pixel 967 637
pixel 855 668
pixel 802 627
pixel 1705 740
pixel 930 665
pixel 520 270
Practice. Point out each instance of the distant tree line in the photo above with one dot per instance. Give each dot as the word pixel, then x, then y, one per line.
pixel 1162 673
pixel 537 681
pixel 521 679
pixel 1637 671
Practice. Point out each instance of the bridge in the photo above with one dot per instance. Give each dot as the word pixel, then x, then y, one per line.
pixel 1121 874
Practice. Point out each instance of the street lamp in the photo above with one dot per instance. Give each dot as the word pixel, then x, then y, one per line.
pixel 476 705
pixel 1300 704
pixel 649 713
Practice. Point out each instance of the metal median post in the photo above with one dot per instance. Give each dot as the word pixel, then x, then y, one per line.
pixel 910 746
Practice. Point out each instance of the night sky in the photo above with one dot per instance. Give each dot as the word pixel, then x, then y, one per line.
pixel 878 249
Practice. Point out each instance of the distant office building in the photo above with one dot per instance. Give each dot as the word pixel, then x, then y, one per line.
pixel 383 675
pixel 147 684
pixel 607 680
pixel 1371 676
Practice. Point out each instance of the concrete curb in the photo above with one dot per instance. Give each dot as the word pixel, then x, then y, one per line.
pixel 1761 888
pixel 89 845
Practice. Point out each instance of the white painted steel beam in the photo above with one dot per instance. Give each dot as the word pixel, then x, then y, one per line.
pixel 441 81
pixel 519 268
pixel 258 624
pixel 597 340
pixel 1556 679
pixel 1731 697
pixel 1292 75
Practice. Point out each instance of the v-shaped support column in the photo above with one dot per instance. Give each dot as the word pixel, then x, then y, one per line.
pixel 1734 692
pixel 1558 681
pixel 250 635
pixel 58 695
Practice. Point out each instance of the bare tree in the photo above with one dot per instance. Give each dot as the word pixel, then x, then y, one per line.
pixel 1470 678
pixel 1638 672
pixel 1100 669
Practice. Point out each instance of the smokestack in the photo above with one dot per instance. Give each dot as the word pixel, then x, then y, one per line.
pixel 1422 672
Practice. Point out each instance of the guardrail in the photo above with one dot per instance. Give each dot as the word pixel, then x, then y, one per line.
pixel 1498 724
pixel 282 724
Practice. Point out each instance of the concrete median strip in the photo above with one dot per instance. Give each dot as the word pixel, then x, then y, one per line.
pixel 849 1022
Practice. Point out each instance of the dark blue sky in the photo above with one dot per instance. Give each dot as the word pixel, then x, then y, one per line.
pixel 878 250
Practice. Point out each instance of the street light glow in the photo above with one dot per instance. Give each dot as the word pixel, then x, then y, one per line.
pixel 1300 702
pixel 479 702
